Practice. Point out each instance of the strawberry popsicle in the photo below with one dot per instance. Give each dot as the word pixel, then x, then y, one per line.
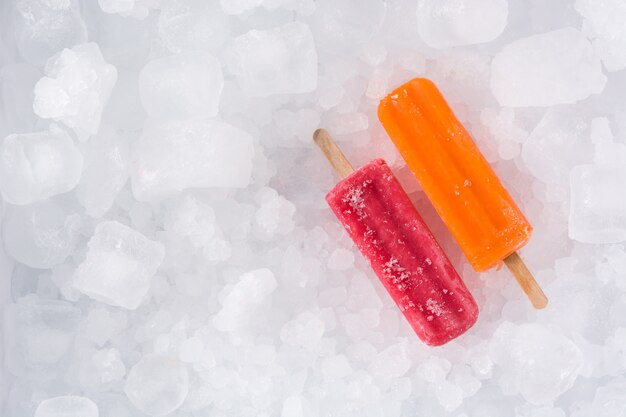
pixel 384 225
pixel 467 194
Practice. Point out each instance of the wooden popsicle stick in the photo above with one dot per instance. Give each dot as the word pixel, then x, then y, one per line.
pixel 526 280
pixel 331 151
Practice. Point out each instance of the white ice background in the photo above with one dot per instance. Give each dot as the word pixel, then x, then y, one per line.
pixel 167 249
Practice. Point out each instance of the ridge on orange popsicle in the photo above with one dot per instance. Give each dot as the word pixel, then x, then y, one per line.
pixel 468 196
pixel 384 225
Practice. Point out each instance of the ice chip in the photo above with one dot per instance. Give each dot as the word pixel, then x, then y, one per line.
pixel 558 143
pixel 138 9
pixel 43 28
pixel 119 265
pixel 275 214
pixel 239 6
pixel 42 234
pixel 109 365
pixel 157 385
pixel 446 23
pixel 242 305
pixel 38 336
pixel 551 68
pixel 172 156
pixel 609 400
pixel 344 27
pixel 282 60
pixel 17 82
pixel 540 363
pixel 35 166
pixel 181 86
pixel 604 22
pixel 67 406
pixel 598 203
pixel 76 88
pixel 105 171
pixel 193 25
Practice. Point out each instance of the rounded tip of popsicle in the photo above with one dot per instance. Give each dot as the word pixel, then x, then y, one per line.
pixel 540 302
pixel 318 133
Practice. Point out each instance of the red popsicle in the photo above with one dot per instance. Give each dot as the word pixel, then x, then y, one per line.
pixel 384 225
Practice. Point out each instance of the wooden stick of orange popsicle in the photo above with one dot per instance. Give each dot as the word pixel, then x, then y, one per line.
pixel 467 194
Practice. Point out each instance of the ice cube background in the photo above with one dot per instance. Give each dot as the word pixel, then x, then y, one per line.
pixel 167 249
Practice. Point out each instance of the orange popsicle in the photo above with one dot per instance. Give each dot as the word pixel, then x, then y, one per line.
pixel 467 194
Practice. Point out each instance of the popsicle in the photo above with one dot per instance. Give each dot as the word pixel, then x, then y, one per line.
pixel 468 196
pixel 384 225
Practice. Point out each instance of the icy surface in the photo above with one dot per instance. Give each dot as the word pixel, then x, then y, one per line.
pixel 603 24
pixel 35 166
pixel 181 86
pixel 41 235
pixel 174 155
pixel 344 26
pixel 191 266
pixel 119 265
pixel 43 27
pixel 106 160
pixel 193 25
pixel 446 23
pixel 543 70
pixel 42 334
pixel 157 385
pixel 76 88
pixel 68 406
pixel 282 60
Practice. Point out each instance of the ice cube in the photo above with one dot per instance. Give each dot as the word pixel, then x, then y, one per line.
pixel 598 204
pixel 306 330
pixel 193 25
pixel 35 166
pixel 38 336
pixel 609 400
pixel 543 70
pixel 192 219
pixel 181 86
pixel 102 324
pixel 336 367
pixel 105 172
pixel 119 265
pixel 157 385
pixel 67 406
pixel 603 22
pixel 558 143
pixel 275 214
pixel 76 88
pixel 171 156
pixel 341 260
pixel 239 6
pixel 42 28
pixel 282 60
pixel 17 82
pixel 109 365
pixel 296 406
pixel 192 350
pixel 41 235
pixel 540 363
pixel 446 23
pixel 344 27
pixel 138 9
pixel 393 362
pixel 449 395
pixel 242 305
